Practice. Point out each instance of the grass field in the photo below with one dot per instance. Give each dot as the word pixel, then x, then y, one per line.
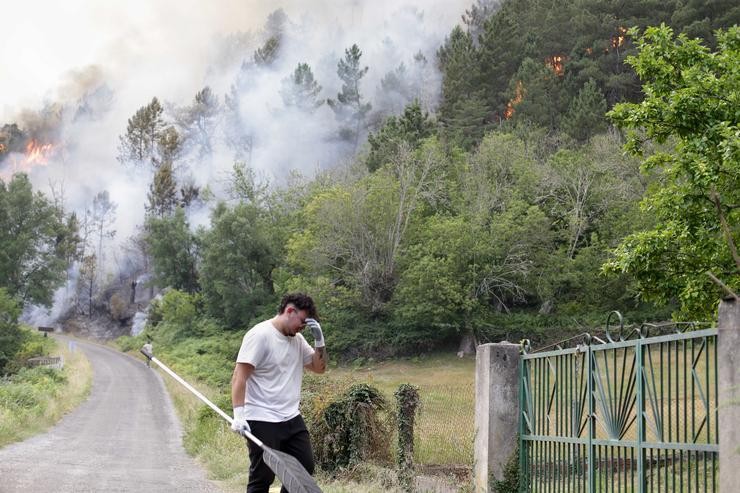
pixel 444 431
pixel 444 428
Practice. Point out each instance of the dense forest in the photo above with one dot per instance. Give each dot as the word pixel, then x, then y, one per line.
pixel 507 208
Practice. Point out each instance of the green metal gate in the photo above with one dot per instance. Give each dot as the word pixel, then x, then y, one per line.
pixel 629 413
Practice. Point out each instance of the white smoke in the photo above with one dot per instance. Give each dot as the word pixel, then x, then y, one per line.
pixel 102 61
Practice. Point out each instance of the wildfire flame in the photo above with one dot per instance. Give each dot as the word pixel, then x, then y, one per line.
pixel 620 38
pixel 37 154
pixel 518 96
pixel 2 147
pixel 556 64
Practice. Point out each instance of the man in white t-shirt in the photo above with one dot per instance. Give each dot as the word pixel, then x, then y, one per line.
pixel 266 385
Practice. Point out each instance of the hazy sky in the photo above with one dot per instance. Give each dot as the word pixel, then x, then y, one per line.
pixel 44 41
pixel 53 51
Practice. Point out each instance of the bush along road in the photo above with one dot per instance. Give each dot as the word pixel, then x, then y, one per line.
pixel 125 437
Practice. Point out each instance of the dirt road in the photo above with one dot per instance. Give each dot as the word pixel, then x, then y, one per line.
pixel 124 437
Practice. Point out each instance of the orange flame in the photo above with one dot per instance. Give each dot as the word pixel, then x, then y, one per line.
pixel 36 155
pixel 518 96
pixel 589 51
pixel 620 38
pixel 557 64
pixel 2 147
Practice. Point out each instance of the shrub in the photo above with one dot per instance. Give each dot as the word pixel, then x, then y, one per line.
pixel 351 428
pixel 12 336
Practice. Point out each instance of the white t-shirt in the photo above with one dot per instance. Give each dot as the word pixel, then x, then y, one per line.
pixel 274 388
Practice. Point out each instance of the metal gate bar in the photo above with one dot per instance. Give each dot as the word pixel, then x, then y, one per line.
pixel 629 414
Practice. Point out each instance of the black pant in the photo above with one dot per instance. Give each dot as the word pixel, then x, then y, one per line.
pixel 290 437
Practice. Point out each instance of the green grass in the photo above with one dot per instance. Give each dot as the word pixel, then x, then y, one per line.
pixel 33 400
pixel 446 389
pixel 444 428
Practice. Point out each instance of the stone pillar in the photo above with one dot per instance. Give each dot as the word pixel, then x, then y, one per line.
pixel 728 381
pixel 496 410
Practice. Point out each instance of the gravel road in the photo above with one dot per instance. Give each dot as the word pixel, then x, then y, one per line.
pixel 124 437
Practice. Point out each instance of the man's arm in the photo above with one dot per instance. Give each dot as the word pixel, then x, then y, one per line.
pixel 242 372
pixel 318 361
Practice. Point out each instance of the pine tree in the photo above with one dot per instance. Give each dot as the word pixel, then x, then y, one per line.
pixel 199 121
pixel 301 90
pixel 268 53
pixel 162 194
pixel 585 117
pixel 411 127
pixel 462 111
pixel 138 146
pixel 348 107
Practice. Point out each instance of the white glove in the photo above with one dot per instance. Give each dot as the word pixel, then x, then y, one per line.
pixel 240 424
pixel 318 336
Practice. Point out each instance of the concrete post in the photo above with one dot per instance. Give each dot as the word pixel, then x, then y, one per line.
pixel 728 381
pixel 496 410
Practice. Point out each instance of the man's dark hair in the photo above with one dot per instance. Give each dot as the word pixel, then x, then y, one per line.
pixel 300 301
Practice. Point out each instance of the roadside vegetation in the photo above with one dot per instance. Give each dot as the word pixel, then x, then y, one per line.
pixel 34 399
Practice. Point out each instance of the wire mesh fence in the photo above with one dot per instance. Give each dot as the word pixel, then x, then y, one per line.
pixel 445 426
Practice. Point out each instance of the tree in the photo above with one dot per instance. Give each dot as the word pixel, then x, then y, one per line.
pixel 691 100
pixel 463 266
pixel 239 255
pixel 301 90
pixel 268 53
pixel 586 114
pixel 236 131
pixel 198 123
pixel 87 281
pixel 475 17
pixel 32 264
pixel 462 110
pixel 174 251
pixel 395 91
pixel 411 127
pixel 353 234
pixel 103 217
pixel 162 194
pixel 348 107
pixel 11 335
pixel 537 90
pixel 143 131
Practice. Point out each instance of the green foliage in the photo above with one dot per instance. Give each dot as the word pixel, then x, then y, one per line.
pixel 692 96
pixel 348 108
pixel 173 249
pixel 139 145
pixel 354 233
pixel 33 250
pixel 462 111
pixel 543 100
pixel 239 254
pixel 29 388
pixel 350 429
pixel 585 116
pixel 12 336
pixel 162 194
pixel 411 127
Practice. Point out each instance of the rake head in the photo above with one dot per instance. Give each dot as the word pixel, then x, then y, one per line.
pixel 292 474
